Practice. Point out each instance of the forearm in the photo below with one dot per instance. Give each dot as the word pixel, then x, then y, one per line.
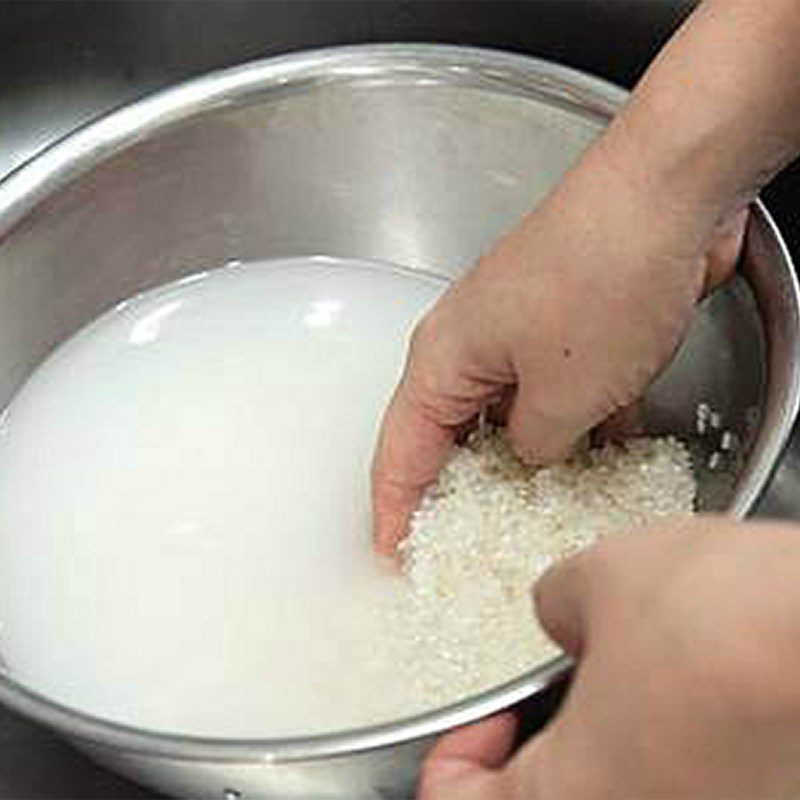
pixel 718 112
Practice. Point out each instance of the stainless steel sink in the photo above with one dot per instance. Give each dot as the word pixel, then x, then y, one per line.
pixel 62 63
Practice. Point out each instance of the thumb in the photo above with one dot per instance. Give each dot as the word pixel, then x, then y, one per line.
pixel 561 602
pixel 720 261
pixel 465 764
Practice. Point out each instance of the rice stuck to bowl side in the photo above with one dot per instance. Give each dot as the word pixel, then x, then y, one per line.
pixel 486 530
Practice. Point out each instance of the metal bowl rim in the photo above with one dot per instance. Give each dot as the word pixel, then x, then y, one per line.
pixel 88 146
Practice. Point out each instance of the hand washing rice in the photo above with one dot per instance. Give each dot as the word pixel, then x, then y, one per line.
pixel 485 532
pixel 173 562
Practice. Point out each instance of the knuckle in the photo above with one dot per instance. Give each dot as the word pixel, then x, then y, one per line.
pixel 428 370
pixel 424 335
pixel 427 392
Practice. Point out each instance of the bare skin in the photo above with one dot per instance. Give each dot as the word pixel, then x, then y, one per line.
pixel 688 640
pixel 570 341
pixel 575 311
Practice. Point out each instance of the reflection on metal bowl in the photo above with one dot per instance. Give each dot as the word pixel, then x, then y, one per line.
pixel 419 155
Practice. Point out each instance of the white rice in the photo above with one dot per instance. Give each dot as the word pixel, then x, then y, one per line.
pixel 464 620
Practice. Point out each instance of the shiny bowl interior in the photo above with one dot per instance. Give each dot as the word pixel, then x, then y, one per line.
pixel 418 155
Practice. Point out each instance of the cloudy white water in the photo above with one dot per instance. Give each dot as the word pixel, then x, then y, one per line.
pixel 184 519
pixel 184 499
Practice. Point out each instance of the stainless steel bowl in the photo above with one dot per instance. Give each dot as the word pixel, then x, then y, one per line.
pixel 420 155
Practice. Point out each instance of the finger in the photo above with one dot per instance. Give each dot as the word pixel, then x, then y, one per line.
pixel 463 764
pixel 497 413
pixel 463 785
pixel 560 599
pixel 721 258
pixel 487 743
pixel 535 437
pixel 626 422
pixel 411 450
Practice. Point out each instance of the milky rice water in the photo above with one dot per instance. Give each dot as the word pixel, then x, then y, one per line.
pixel 184 520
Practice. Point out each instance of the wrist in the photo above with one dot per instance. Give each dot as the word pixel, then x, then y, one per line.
pixel 716 115
pixel 689 178
pixel 642 222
